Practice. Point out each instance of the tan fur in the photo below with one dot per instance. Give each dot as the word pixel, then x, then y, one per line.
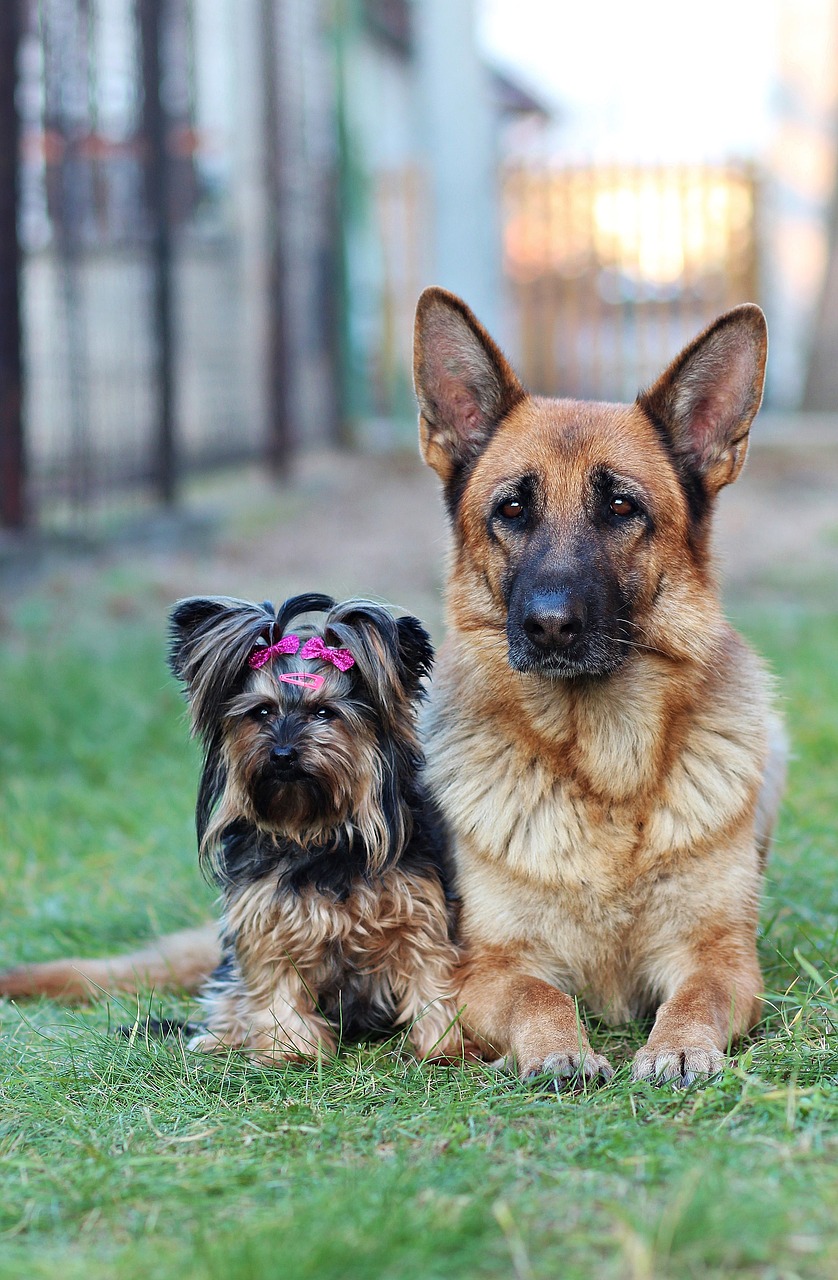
pixel 181 959
pixel 604 828
pixel 387 938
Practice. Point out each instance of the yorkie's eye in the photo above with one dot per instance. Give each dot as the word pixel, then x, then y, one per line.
pixel 324 713
pixel 261 712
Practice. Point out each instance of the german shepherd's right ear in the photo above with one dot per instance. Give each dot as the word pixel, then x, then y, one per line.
pixel 464 384
pixel 704 403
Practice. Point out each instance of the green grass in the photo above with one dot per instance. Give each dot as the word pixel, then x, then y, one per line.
pixel 123 1159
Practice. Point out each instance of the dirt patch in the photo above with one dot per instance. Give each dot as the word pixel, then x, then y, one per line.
pixel 777 528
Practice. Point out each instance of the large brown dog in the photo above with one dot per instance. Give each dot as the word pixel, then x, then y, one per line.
pixel 600 740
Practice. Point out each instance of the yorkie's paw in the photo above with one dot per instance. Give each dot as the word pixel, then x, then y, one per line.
pixel 452 1049
pixel 281 1055
pixel 209 1042
pixel 269 1054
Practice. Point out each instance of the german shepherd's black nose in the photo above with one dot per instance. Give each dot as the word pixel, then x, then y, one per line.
pixel 554 619
pixel 284 758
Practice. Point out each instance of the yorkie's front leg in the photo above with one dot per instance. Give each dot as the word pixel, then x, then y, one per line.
pixel 272 1018
pixel 423 968
pixel 434 1029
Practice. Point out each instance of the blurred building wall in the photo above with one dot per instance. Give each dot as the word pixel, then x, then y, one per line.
pixel 420 189
pixel 800 169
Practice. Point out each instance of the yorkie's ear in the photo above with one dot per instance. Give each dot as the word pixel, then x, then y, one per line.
pixel 391 657
pixel 188 619
pixel 211 638
pixel 416 654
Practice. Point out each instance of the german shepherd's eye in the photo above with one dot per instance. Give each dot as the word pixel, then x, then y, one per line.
pixel 511 509
pixel 621 505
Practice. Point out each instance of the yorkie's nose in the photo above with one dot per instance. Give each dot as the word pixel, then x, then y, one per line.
pixel 284 757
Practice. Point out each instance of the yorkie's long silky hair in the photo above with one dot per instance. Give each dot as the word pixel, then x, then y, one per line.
pixel 324 759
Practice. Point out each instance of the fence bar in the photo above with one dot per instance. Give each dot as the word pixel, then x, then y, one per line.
pixel 13 507
pixel 280 412
pixel 151 14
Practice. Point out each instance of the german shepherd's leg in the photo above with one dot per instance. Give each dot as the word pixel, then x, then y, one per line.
pixel 272 1018
pixel 706 1012
pixel 526 1019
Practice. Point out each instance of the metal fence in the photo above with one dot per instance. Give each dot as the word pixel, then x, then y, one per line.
pixel 130 282
pixel 170 214
pixel 181 197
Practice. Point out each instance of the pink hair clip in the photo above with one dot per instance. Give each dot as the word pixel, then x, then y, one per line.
pixel 315 648
pixel 304 679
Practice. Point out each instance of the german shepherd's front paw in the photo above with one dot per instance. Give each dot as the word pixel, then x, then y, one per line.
pixel 568 1066
pixel 677 1064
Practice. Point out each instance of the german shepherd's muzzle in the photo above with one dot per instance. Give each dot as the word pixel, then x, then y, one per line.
pixel 567 612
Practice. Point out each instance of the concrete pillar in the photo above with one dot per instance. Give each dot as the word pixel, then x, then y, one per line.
pixel 458 143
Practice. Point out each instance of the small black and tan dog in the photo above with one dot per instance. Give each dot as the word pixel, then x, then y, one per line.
pixel 314 820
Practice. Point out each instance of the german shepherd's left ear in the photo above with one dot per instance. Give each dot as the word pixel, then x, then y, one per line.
pixel 464 383
pixel 705 402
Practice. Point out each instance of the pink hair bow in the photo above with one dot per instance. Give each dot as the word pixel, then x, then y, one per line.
pixel 315 648
pixel 288 644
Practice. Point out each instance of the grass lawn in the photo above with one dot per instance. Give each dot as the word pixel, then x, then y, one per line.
pixel 130 1159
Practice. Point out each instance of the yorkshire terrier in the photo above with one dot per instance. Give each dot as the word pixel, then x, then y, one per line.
pixel 314 820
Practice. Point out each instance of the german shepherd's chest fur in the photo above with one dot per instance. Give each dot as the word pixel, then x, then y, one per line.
pixel 584 837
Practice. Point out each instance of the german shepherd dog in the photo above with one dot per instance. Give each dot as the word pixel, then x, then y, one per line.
pixel 600 741
pixel 315 823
